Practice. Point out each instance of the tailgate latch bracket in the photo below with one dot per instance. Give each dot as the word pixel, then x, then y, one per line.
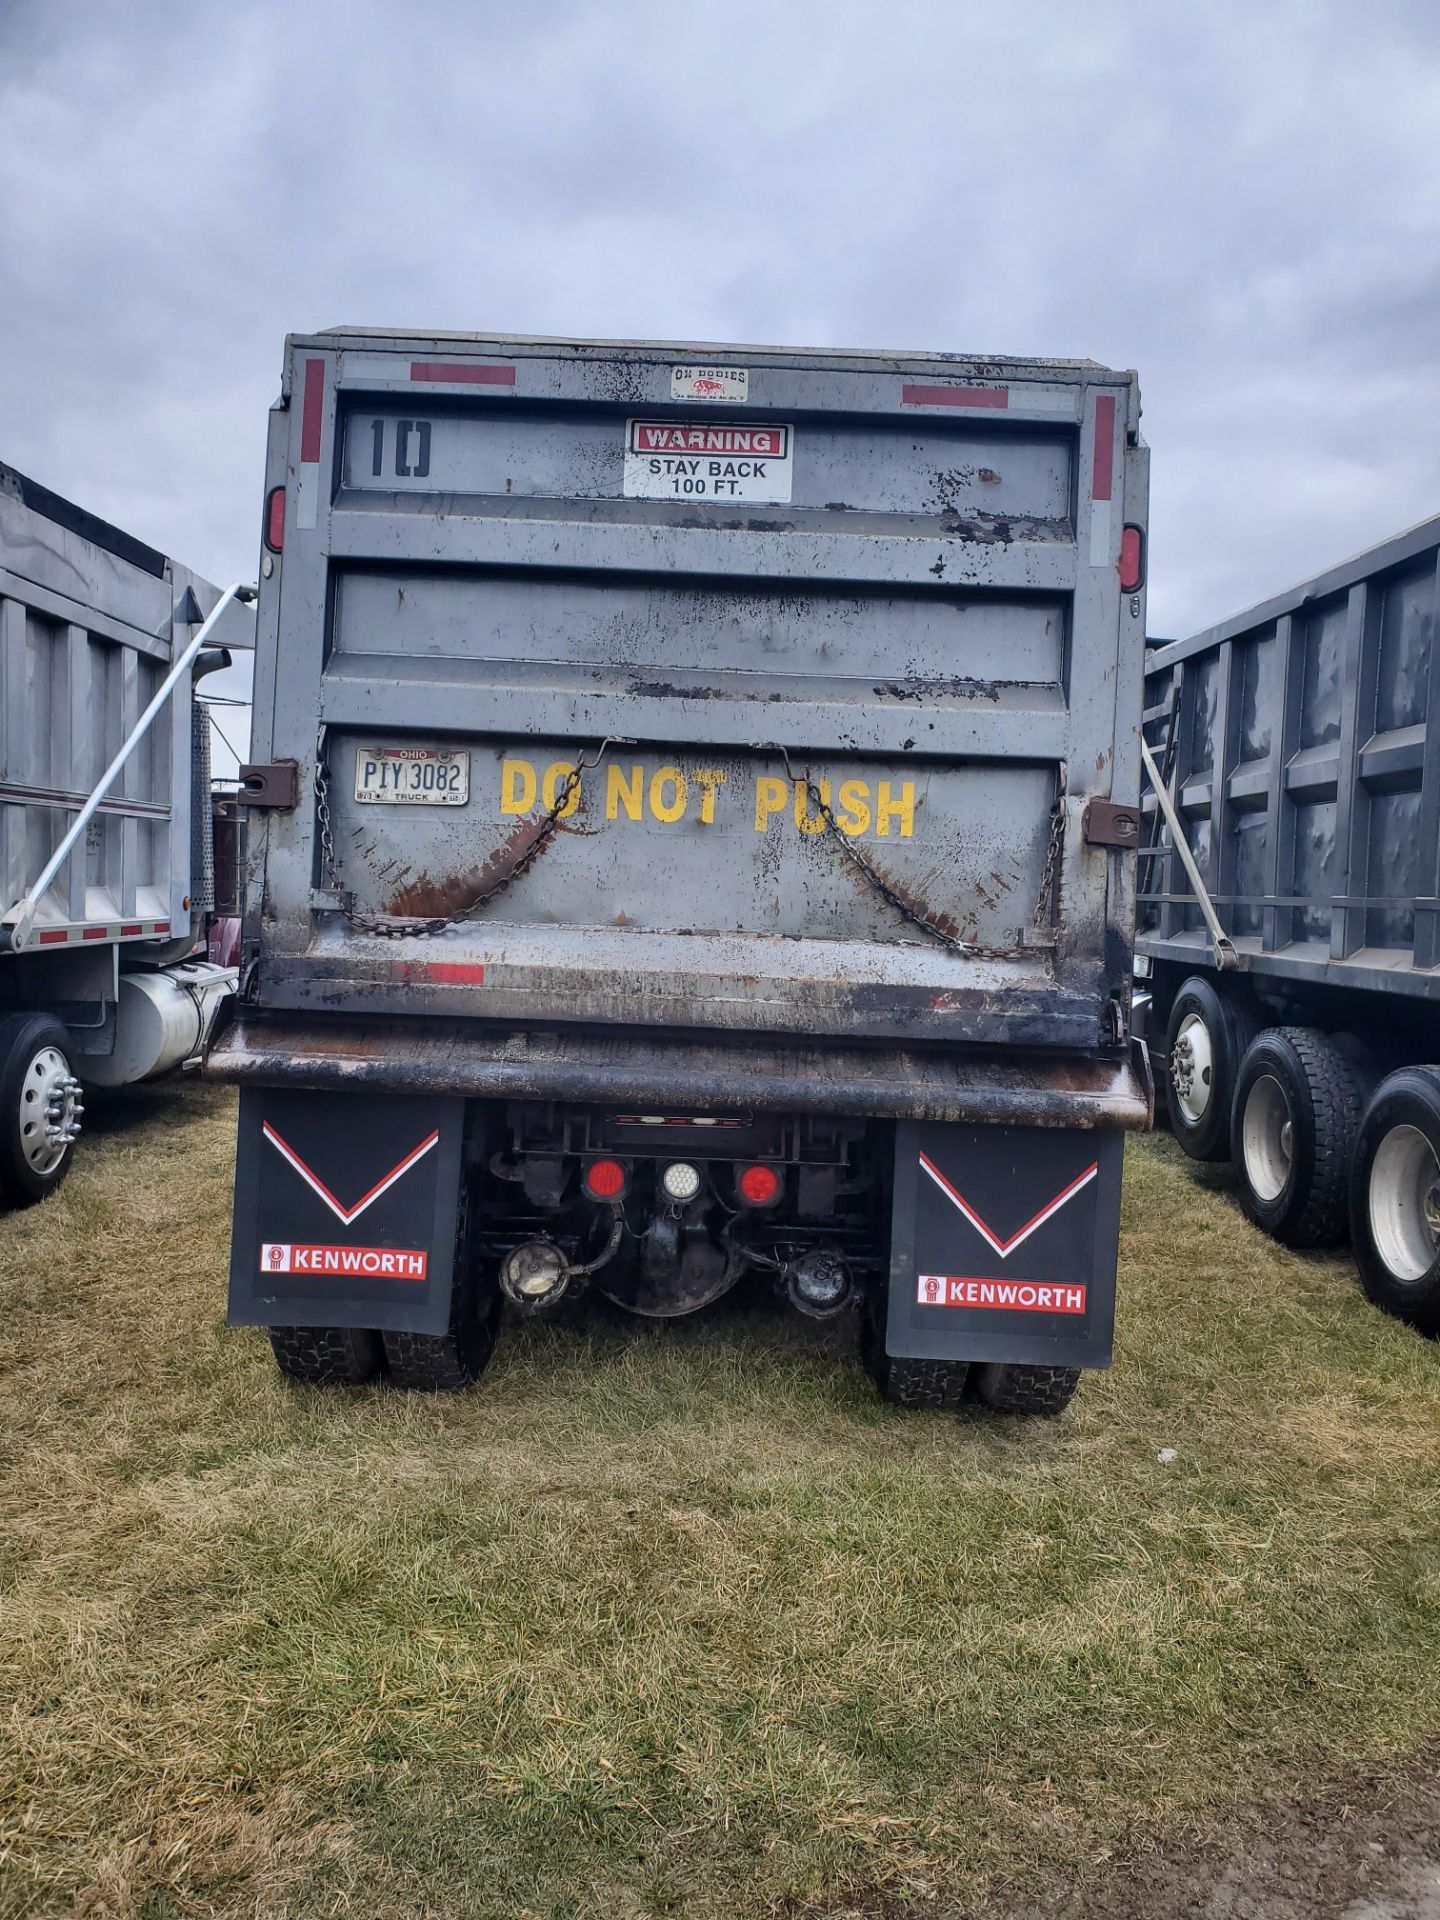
pixel 1105 823
pixel 274 784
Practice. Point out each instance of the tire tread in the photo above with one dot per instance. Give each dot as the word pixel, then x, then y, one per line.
pixel 1038 1392
pixel 327 1356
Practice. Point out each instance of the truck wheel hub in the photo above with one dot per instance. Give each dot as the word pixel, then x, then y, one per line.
pixel 1192 1067
pixel 1405 1203
pixel 50 1110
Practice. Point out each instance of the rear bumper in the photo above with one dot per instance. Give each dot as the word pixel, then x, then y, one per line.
pixel 1013 1087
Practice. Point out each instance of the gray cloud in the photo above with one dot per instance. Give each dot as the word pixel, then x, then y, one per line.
pixel 1241 202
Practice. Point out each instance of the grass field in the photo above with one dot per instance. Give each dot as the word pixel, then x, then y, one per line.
pixel 677 1623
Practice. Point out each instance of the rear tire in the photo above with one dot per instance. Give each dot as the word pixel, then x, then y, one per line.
pixel 1395 1198
pixel 1042 1391
pixel 38 1092
pixel 1296 1116
pixel 327 1356
pixel 451 1361
pixel 1204 1039
pixel 936 1384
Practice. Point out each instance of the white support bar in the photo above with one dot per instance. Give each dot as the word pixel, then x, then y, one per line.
pixel 1226 956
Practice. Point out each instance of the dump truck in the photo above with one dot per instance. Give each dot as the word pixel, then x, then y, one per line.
pixel 106 855
pixel 692 835
pixel 1289 941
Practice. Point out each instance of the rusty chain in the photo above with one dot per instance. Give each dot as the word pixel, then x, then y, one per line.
pixel 1051 869
pixel 905 908
pixel 398 926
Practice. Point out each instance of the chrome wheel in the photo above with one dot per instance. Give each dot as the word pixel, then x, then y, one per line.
pixel 50 1110
pixel 1267 1138
pixel 1192 1068
pixel 1405 1203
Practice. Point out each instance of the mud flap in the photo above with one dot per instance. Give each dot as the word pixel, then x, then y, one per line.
pixel 1003 1244
pixel 345 1210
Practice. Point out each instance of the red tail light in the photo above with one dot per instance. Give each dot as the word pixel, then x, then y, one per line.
pixel 1132 560
pixel 759 1186
pixel 275 519
pixel 604 1179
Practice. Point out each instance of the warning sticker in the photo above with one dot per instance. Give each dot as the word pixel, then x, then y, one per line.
pixel 682 460
pixel 729 384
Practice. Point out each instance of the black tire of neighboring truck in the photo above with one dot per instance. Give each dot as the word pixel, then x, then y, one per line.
pixel 29 1045
pixel 1296 1116
pixel 1042 1391
pixel 327 1356
pixel 1205 1036
pixel 1395 1198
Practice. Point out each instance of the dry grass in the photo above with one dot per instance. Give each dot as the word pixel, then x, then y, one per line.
pixel 679 1623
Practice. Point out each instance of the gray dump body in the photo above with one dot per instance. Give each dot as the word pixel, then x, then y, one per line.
pixel 734 578
pixel 90 621
pixel 1301 744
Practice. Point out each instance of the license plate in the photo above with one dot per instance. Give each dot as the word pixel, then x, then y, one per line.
pixel 411 777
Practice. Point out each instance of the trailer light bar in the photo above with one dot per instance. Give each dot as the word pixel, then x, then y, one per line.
pixel 275 519
pixel 759 1186
pixel 605 1180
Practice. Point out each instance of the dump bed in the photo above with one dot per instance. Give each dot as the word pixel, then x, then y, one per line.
pixel 727 689
pixel 1301 746
pixel 90 621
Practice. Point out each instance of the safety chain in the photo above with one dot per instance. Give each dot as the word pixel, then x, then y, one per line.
pixel 904 908
pixel 1052 856
pixel 396 926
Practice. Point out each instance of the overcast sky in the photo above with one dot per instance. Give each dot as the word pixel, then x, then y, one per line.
pixel 1241 201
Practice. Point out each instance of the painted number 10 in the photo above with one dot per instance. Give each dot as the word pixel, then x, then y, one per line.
pixel 412 449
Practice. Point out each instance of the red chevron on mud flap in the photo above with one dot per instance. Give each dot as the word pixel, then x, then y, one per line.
pixel 1004 1248
pixel 312 1180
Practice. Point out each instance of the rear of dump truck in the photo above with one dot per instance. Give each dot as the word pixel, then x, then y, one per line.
pixel 695 803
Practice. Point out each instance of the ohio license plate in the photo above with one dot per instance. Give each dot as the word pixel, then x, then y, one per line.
pixel 411 777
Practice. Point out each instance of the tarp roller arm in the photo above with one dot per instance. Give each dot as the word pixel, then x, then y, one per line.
pixel 1226 956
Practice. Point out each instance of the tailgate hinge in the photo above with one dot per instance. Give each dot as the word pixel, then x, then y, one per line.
pixel 276 784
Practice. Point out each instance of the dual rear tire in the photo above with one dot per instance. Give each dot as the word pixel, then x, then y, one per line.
pixel 1295 1116
pixel 1395 1198
pixel 444 1362
pixel 939 1385
pixel 1320 1151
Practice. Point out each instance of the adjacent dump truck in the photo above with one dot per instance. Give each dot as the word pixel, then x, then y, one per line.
pixel 1290 910
pixel 106 854
pixel 693 826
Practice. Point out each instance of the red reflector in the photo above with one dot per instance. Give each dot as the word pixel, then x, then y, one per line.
pixel 955 396
pixel 604 1179
pixel 1132 559
pixel 275 519
pixel 53 939
pixel 130 931
pixel 458 375
pixel 759 1185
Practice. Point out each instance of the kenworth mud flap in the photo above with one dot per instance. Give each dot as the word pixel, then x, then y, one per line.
pixel 1003 1245
pixel 346 1210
